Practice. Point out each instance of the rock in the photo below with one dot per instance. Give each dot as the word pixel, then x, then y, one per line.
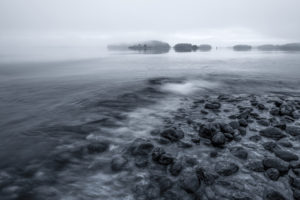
pixel 118 163
pixel 218 139
pixel 206 176
pixel 226 128
pixel 196 139
pixel 172 134
pixel 242 131
pixel 234 124
pixel 296 171
pixel 208 130
pixel 293 130
pixel 285 143
pixel 98 147
pixel 295 164
pixel 213 154
pixel 286 110
pixel 189 182
pixel 285 155
pixel 163 182
pixel 165 159
pixel 212 105
pixel 273 174
pixel 273 133
pixel 225 168
pixel 141 161
pixel 184 145
pixel 260 106
pixel 239 152
pixel 278 164
pixel 295 182
pixel 281 126
pixel 263 122
pixel 256 166
pixel 274 111
pixel 176 168
pixel 156 153
pixel 228 136
pixel 204 112
pixel 273 195
pixel 141 147
pixel 270 146
pixel 243 123
pixel 255 138
pixel 296 194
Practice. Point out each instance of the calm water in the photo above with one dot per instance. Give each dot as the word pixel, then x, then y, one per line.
pixel 50 96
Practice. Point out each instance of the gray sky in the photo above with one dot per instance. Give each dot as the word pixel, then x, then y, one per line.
pixel 217 21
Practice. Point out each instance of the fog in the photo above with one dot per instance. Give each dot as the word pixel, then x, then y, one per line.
pixel 106 21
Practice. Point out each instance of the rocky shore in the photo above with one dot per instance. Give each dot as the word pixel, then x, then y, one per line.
pixel 221 147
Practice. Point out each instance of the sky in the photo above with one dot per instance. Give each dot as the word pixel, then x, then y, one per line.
pixel 198 21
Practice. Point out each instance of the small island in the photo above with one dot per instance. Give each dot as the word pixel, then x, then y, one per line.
pixel 242 47
pixel 185 47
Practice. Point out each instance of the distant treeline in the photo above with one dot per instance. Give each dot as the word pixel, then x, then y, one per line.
pixel 155 46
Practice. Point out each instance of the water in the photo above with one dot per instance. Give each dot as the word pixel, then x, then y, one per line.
pixel 52 106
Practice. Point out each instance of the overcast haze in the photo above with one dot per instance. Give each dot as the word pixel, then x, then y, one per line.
pixel 216 21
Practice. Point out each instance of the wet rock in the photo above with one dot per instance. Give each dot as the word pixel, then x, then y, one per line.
pixel 273 133
pixel 273 174
pixel 176 168
pixel 189 182
pixel 98 147
pixel 190 161
pixel 296 171
pixel 255 138
pixel 242 131
pixel 295 182
pixel 293 130
pixel 234 124
pixel 285 155
pixel 274 111
pixel 184 145
pixel 286 110
pixel 243 123
pixel 263 122
pixel 273 195
pixel 141 147
pixel 270 146
pixel 141 161
pixel 285 143
pixel 196 139
pixel 218 139
pixel 212 105
pixel 295 164
pixel 204 112
pixel 229 136
pixel 172 134
pixel 165 159
pixel 281 126
pixel 213 154
pixel 118 163
pixel 226 128
pixel 156 153
pixel 225 168
pixel 239 152
pixel 163 182
pixel 260 106
pixel 207 176
pixel 278 164
pixel 296 194
pixel 208 130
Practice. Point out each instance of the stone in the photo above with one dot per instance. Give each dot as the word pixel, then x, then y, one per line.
pixel 285 155
pixel 273 133
pixel 118 163
pixel 234 124
pixel 184 145
pixel 218 139
pixel 165 159
pixel 226 128
pixel 141 161
pixel 206 176
pixel 141 147
pixel 239 152
pixel 212 105
pixel 208 130
pixel 172 134
pixel 263 122
pixel 296 194
pixel 278 164
pixel 286 110
pixel 225 168
pixel 273 195
pixel 256 166
pixel 189 182
pixel 295 182
pixel 285 143
pixel 156 153
pixel 293 130
pixel 295 164
pixel 98 147
pixel 270 146
pixel 242 131
pixel 243 123
pixel 255 138
pixel 260 106
pixel 273 174
pixel 176 168
pixel 274 111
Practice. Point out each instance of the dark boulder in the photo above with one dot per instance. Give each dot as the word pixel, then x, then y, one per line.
pixel 293 130
pixel 118 163
pixel 273 174
pixel 141 147
pixel 273 195
pixel 225 168
pixel 207 176
pixel 189 182
pixel 256 166
pixel 165 159
pixel 98 147
pixel 176 168
pixel 141 161
pixel 285 143
pixel 270 146
pixel 263 122
pixel 226 128
pixel 208 130
pixel 285 155
pixel 212 105
pixel 239 152
pixel 173 135
pixel 243 123
pixel 255 138
pixel 218 139
pixel 273 133
pixel 234 124
pixel 278 164
pixel 286 110
pixel 295 182
pixel 156 153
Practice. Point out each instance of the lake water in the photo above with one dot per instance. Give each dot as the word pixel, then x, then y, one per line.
pixel 51 99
